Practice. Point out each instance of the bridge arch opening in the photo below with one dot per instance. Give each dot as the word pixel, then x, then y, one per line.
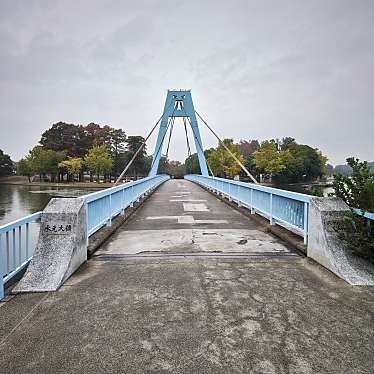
pixel 178 104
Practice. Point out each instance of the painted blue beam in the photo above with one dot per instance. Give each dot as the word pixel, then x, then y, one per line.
pixel 178 104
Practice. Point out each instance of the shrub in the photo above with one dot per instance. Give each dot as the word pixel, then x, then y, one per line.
pixel 358 192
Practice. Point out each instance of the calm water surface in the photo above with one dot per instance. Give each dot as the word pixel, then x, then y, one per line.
pixel 19 201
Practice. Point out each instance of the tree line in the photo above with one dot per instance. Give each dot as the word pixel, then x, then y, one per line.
pixel 283 161
pixel 67 151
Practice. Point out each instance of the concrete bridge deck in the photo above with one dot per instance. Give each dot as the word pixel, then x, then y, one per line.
pixel 189 285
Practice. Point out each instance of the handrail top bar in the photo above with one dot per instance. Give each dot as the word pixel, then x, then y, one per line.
pixel 19 222
pixel 275 191
pixel 89 197
pixel 366 214
pixel 108 191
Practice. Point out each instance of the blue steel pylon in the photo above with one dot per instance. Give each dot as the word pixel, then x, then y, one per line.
pixel 178 104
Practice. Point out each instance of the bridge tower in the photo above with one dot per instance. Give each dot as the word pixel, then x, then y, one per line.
pixel 178 104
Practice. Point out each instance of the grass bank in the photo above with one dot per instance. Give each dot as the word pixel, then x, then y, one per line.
pixel 23 181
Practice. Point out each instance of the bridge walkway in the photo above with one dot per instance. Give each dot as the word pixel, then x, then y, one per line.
pixel 182 219
pixel 158 297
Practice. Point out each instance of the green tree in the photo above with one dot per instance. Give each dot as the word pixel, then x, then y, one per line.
pixel 66 137
pixel 192 164
pixel 140 164
pixel 248 147
pixel 6 164
pixel 358 192
pixel 176 169
pixel 292 162
pixel 98 161
pixel 286 143
pixel 117 139
pixel 163 166
pixel 222 163
pixel 72 166
pixel 45 162
pixel 267 159
pixel 24 168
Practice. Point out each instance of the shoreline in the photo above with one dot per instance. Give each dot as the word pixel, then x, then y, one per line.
pixel 21 182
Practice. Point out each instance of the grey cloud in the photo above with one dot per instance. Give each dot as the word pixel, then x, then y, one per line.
pixel 256 69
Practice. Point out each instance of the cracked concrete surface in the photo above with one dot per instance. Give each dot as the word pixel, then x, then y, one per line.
pixel 252 315
pixel 193 240
pixel 205 316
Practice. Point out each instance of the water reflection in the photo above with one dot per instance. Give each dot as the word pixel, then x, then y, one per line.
pixel 19 201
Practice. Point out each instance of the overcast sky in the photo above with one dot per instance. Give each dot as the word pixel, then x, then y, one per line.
pixel 257 69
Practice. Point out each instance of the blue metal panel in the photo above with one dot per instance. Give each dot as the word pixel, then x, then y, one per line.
pixel 20 258
pixel 280 206
pixel 103 205
pixel 178 104
pixel 367 215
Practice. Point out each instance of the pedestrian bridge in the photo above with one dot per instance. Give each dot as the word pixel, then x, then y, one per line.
pixel 188 284
pixel 200 275
pixel 180 220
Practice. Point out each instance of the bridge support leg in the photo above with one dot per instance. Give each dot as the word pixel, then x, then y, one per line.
pixel 178 104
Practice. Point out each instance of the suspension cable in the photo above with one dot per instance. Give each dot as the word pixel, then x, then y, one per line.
pixel 141 146
pixel 170 133
pixel 198 142
pixel 161 144
pixel 136 153
pixel 162 141
pixel 228 150
pixel 188 143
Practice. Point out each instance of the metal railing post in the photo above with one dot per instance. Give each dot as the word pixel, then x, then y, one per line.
pixel 253 210
pixel 132 196
pixel 271 210
pixel 87 223
pixel 123 202
pixel 109 222
pixel 19 245
pixel 27 238
pixel 305 223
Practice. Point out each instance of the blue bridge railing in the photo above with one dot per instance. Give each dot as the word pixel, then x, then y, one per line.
pixel 369 216
pixel 279 206
pixel 16 247
pixel 103 205
pixel 15 251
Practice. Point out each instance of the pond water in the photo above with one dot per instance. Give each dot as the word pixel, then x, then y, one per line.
pixel 301 189
pixel 18 201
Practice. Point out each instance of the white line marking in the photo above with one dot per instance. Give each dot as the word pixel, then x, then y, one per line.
pixel 211 221
pixel 189 220
pixel 195 207
pixel 186 220
pixel 186 200
pixel 163 217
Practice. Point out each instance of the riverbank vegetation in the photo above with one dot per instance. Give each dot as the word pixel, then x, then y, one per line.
pixel 76 153
pixel 68 153
pixel 271 160
pixel 6 164
pixel 358 192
